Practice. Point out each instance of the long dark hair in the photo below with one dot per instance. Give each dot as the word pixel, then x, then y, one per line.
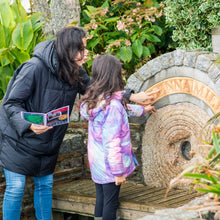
pixel 106 79
pixel 68 43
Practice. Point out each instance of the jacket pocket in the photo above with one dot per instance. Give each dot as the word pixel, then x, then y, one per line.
pixel 35 144
pixel 30 137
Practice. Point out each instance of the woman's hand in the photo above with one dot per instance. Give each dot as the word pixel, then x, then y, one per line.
pixel 143 98
pixel 39 129
pixel 119 180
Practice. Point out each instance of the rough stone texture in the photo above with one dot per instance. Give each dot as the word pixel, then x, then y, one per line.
pixel 144 72
pixel 167 60
pixel 218 86
pixel 182 213
pixel 203 63
pixel 199 65
pixel 72 143
pixel 134 83
pixel 75 116
pixel 64 12
pixel 155 65
pixel 42 6
pixel 59 13
pixel 189 59
pixel 178 57
pixel 166 131
pixel 172 214
pixel 213 72
pixel 180 71
pixel 216 39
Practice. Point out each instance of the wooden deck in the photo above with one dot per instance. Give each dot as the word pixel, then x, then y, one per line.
pixel 136 201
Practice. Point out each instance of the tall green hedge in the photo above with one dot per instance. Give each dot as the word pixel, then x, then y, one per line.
pixel 192 21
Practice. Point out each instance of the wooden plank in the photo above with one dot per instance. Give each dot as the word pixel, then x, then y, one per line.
pixel 90 189
pixel 79 208
pixel 179 201
pixel 73 197
pixel 77 187
pixel 82 186
pixel 131 192
pixel 131 214
pixel 135 201
pixel 131 186
pixel 172 197
pixel 73 207
pixel 81 189
pixel 143 195
pixel 139 206
pixel 126 187
pixel 158 195
pixel 69 186
pixel 125 190
pixel 126 210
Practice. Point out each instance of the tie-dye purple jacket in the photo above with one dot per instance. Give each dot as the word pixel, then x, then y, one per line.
pixel 109 144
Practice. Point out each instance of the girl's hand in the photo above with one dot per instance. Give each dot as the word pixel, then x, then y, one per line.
pixel 149 109
pixel 39 129
pixel 119 180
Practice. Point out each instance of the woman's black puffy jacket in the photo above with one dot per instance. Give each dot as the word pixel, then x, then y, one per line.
pixel 35 87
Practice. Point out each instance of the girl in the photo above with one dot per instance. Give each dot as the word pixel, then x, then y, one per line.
pixel 110 154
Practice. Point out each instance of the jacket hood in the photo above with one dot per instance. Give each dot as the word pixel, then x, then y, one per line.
pixel 47 53
pixel 93 113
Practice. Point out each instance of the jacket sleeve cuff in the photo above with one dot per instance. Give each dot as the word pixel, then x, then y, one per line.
pixel 127 93
pixel 117 174
pixel 23 128
pixel 143 111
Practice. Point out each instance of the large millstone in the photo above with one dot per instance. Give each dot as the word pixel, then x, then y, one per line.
pixel 170 134
pixel 189 96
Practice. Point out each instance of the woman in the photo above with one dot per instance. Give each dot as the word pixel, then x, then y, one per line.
pixel 49 80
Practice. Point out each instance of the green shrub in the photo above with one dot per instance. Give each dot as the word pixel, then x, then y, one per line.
pixel 19 33
pixel 131 30
pixel 192 21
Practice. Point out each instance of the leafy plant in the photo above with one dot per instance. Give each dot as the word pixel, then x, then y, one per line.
pixel 130 30
pixel 192 21
pixel 19 33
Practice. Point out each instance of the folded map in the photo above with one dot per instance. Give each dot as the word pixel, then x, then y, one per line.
pixel 53 118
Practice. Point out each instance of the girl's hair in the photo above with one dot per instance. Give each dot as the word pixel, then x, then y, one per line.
pixel 106 79
pixel 68 43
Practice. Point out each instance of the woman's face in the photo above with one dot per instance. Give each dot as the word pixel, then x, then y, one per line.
pixel 80 57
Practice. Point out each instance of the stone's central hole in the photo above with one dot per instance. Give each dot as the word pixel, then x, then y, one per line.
pixel 185 149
